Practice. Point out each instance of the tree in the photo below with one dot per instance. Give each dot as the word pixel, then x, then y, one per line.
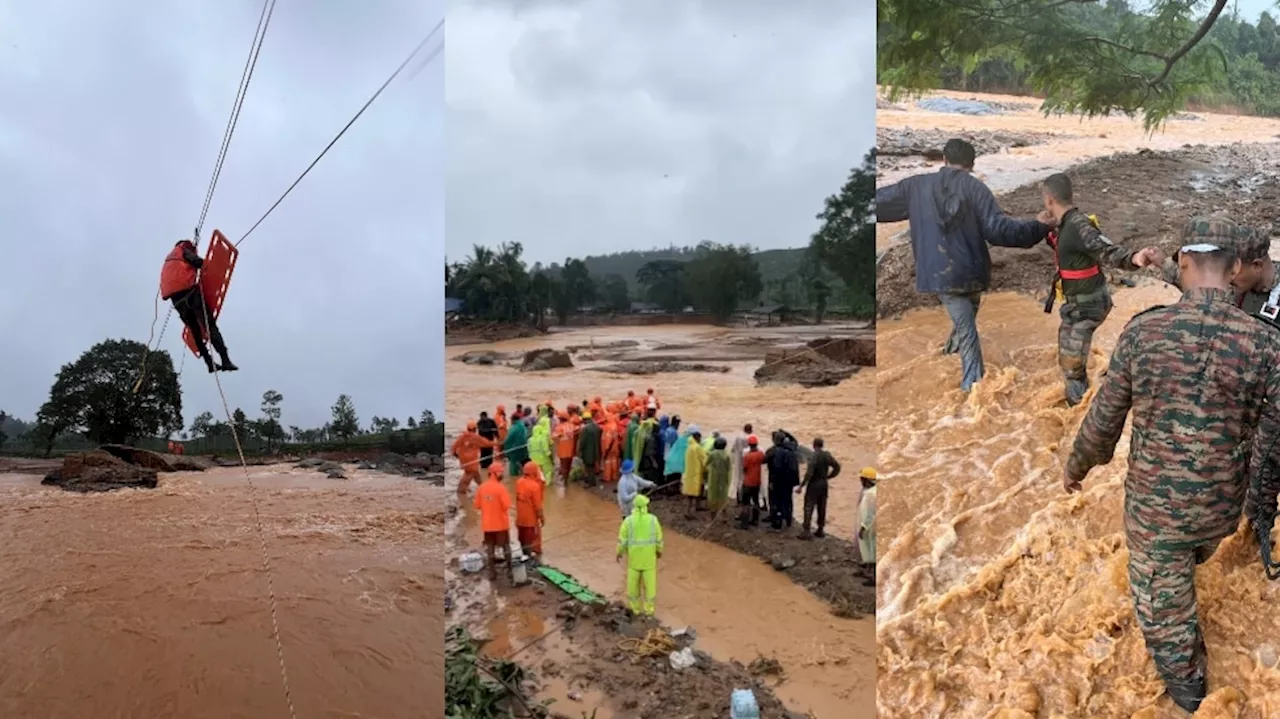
pixel 427 419
pixel 615 293
pixel 412 424
pixel 1088 57
pixel 819 291
pixel 664 284
pixel 579 288
pixel 269 427
pixel 4 418
pixel 202 425
pixel 43 435
pixel 345 423
pixel 541 295
pixel 94 395
pixel 241 423
pixel 722 277
pixel 846 242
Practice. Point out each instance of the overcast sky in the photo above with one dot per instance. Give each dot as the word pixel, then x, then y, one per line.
pixel 1251 9
pixel 593 126
pixel 111 114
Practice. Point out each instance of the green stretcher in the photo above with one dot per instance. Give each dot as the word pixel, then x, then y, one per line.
pixel 571 586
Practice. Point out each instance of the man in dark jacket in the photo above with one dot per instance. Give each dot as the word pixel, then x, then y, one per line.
pixel 784 474
pixel 488 428
pixel 953 218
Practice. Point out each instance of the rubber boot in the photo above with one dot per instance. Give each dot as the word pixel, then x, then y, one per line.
pixel 1075 391
pixel 208 362
pixel 1187 695
pixel 227 365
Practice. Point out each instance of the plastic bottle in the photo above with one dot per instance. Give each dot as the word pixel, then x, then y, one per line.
pixel 742 705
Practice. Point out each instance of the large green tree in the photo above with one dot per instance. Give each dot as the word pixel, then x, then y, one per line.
pixel 614 293
pixel 664 283
pixel 1083 56
pixel 94 395
pixel 846 241
pixel 722 278
pixel 345 424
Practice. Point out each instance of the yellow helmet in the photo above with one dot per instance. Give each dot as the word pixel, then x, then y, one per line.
pixel 868 473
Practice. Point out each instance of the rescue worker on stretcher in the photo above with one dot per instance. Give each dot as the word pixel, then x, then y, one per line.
pixel 179 282
pixel 1079 250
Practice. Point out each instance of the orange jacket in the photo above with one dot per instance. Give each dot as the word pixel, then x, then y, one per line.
pixel 467 449
pixel 528 501
pixel 566 440
pixel 494 502
pixel 177 274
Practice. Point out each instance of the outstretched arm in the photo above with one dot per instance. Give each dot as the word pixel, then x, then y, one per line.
pixel 1096 441
pixel 1002 230
pixel 1105 251
pixel 891 202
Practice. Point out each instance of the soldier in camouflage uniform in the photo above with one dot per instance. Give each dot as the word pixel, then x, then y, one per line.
pixel 1258 295
pixel 1080 250
pixel 1198 375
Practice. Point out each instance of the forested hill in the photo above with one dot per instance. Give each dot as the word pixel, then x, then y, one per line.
pixel 775 265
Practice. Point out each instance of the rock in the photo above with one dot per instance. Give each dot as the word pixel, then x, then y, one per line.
pixel 336 474
pixel 363 464
pixel 99 471
pixel 781 562
pixel 544 359
pixel 153 460
pixel 326 467
pixel 310 463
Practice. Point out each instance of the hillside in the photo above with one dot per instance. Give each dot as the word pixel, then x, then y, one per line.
pixel 776 266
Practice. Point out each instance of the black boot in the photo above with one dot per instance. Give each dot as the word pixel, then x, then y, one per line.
pixel 227 365
pixel 208 363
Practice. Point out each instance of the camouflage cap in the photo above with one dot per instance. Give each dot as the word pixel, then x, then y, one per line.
pixel 1248 243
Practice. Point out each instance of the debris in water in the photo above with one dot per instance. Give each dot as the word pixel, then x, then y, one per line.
pixel 544 359
pixel 765 666
pixel 648 368
pixel 99 471
pixel 781 562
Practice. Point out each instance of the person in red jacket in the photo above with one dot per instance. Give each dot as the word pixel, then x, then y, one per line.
pixel 180 284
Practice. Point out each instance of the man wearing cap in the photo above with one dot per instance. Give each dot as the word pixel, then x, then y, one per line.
pixel 1080 250
pixel 1199 376
pixel 630 486
pixel 867 524
pixel 752 469
pixel 822 468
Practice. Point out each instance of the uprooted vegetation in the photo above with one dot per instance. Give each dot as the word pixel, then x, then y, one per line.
pixel 819 363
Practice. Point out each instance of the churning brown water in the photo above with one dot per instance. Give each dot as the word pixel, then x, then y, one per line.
pixel 152 603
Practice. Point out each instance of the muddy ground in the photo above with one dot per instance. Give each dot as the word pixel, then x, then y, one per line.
pixel 462 331
pixel 627 683
pixel 901 148
pixel 827 567
pixel 1127 192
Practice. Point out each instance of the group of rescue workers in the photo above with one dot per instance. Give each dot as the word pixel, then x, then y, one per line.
pixel 1201 378
pixel 629 444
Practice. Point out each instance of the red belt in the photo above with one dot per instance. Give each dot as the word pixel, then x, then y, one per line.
pixel 1084 274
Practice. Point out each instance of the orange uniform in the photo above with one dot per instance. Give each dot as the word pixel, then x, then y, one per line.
pixel 494 502
pixel 610 449
pixel 467 449
pixel 567 444
pixel 177 274
pixel 751 464
pixel 529 516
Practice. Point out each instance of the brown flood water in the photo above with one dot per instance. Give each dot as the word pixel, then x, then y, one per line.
pixel 738 605
pixel 1081 140
pixel 999 594
pixel 152 603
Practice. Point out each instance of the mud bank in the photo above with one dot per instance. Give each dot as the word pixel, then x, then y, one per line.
pixel 117 466
pixel 466 332
pixel 903 148
pixel 1141 198
pixel 589 661
pixel 827 567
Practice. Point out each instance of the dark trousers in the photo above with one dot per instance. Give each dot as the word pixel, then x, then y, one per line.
pixel 781 509
pixel 486 456
pixel 815 497
pixel 191 308
pixel 749 498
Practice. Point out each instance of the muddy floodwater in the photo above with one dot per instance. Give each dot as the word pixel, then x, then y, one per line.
pixel 740 607
pixel 153 603
pixel 1078 140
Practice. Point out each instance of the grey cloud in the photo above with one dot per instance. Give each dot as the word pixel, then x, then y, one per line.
pixel 111 119
pixel 594 126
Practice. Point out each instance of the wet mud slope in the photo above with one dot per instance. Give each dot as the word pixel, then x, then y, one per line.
pixel 827 567
pixel 595 658
pixel 1141 198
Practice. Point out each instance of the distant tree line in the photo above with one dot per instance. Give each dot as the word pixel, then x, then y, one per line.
pixel 92 402
pixel 1087 57
pixel 497 283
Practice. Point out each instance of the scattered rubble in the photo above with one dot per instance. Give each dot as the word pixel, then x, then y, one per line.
pixel 648 368
pixel 116 466
pixel 819 363
pixel 427 467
